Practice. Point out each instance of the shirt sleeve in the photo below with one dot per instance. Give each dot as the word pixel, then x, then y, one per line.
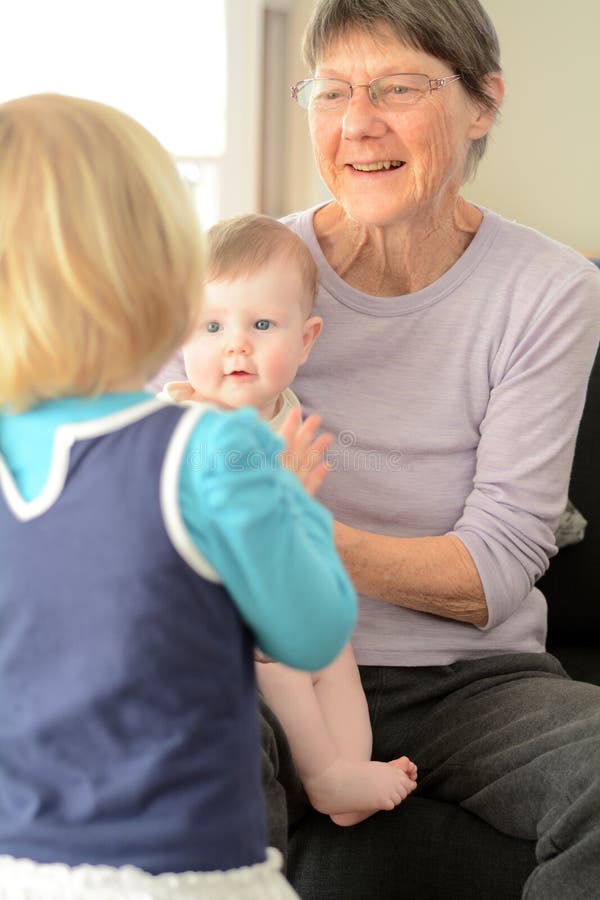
pixel 527 441
pixel 270 542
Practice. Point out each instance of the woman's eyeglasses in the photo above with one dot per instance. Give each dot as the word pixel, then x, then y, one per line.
pixel 388 91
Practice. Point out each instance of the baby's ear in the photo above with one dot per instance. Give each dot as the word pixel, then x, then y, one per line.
pixel 310 332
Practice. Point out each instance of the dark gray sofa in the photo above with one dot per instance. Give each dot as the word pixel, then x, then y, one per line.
pixel 434 851
pixel 572 583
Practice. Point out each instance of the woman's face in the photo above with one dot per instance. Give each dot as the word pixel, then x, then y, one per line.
pixel 429 139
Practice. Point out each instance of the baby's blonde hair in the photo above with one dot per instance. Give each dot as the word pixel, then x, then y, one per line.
pixel 243 245
pixel 101 262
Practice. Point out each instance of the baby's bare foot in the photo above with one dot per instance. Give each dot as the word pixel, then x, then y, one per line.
pixel 351 791
pixel 404 763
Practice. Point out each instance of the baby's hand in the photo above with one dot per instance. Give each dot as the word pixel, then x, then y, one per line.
pixel 304 454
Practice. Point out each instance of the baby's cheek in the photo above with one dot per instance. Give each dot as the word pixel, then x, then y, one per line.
pixel 196 363
pixel 284 368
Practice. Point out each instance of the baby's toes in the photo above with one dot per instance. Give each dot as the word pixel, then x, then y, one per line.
pixel 405 765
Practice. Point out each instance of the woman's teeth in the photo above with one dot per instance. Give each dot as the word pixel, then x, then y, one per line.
pixel 377 166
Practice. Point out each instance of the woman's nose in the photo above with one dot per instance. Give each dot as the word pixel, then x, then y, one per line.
pixel 362 118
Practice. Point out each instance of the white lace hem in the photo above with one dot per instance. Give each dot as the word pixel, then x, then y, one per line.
pixel 24 879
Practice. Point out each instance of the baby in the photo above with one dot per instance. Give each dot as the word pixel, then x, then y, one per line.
pixel 255 330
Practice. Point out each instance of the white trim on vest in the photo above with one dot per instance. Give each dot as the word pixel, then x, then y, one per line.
pixel 64 438
pixel 169 490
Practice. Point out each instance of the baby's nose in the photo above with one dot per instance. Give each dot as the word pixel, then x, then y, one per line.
pixel 238 344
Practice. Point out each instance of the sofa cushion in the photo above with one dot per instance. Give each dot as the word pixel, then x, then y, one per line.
pixel 572 583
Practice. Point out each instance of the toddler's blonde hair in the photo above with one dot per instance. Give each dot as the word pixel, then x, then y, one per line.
pixel 243 245
pixel 101 261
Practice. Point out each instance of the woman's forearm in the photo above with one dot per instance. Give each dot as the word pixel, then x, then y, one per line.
pixel 435 575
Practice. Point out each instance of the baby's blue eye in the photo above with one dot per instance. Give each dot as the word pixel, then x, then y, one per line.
pixel 263 325
pixel 212 327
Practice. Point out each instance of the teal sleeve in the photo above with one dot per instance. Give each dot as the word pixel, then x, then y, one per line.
pixel 271 544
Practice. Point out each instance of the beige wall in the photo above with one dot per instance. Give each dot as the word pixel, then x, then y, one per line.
pixel 542 165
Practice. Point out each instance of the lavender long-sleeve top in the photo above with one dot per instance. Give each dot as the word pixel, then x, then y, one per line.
pixel 456 410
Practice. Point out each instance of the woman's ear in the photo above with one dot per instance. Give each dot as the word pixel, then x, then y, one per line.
pixel 310 332
pixel 485 118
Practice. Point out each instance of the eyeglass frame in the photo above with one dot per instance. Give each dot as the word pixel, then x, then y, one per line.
pixel 434 84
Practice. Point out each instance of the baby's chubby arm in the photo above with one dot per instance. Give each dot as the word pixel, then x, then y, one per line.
pixel 270 542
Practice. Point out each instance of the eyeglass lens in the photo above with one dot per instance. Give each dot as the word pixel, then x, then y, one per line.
pixel 390 91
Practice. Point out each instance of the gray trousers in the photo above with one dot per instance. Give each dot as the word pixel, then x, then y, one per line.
pixel 510 739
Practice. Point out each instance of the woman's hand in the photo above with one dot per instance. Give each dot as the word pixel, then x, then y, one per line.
pixel 304 453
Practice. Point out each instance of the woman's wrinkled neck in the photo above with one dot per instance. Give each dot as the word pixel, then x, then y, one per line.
pixel 400 258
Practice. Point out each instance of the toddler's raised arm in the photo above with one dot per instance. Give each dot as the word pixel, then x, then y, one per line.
pixel 270 542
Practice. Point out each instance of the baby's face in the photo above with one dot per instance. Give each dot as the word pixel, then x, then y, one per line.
pixel 250 339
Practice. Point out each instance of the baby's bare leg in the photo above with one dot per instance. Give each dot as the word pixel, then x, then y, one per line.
pixel 326 720
pixel 346 715
pixel 344 707
pixel 291 695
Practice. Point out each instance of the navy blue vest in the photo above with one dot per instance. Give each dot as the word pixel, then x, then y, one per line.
pixel 128 719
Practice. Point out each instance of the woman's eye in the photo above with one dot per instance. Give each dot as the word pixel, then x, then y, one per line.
pixel 397 90
pixel 263 325
pixel 212 327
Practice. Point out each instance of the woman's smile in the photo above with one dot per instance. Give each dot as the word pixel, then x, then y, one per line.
pixel 375 169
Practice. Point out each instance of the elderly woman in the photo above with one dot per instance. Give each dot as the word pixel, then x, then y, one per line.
pixel 452 367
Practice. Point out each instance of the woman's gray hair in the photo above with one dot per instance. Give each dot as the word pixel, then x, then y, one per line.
pixel 459 32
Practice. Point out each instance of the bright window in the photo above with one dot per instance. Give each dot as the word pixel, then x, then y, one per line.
pixel 164 63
